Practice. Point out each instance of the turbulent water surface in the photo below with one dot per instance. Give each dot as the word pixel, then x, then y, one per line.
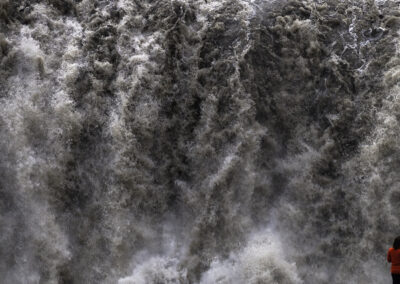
pixel 218 141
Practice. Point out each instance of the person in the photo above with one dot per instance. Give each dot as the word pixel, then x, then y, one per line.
pixel 393 256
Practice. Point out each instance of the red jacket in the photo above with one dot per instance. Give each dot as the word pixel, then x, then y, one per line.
pixel 393 256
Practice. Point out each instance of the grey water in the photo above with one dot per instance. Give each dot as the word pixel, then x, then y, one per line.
pixel 218 141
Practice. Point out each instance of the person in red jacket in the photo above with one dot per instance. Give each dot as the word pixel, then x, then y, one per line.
pixel 393 256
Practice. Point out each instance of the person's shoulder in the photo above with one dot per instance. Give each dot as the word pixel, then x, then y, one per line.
pixel 391 249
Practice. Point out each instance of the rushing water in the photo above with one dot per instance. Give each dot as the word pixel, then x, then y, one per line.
pixel 218 141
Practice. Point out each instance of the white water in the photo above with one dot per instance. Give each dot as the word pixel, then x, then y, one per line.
pixel 198 141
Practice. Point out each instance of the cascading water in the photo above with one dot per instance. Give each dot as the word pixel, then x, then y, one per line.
pixel 202 141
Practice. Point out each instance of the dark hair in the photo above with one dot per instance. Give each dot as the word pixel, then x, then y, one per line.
pixel 396 243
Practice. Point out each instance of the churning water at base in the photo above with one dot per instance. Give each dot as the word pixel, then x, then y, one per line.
pixel 172 141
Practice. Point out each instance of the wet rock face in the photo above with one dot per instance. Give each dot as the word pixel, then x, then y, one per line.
pixel 198 141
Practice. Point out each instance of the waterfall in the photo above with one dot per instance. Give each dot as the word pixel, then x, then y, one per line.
pixel 201 141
